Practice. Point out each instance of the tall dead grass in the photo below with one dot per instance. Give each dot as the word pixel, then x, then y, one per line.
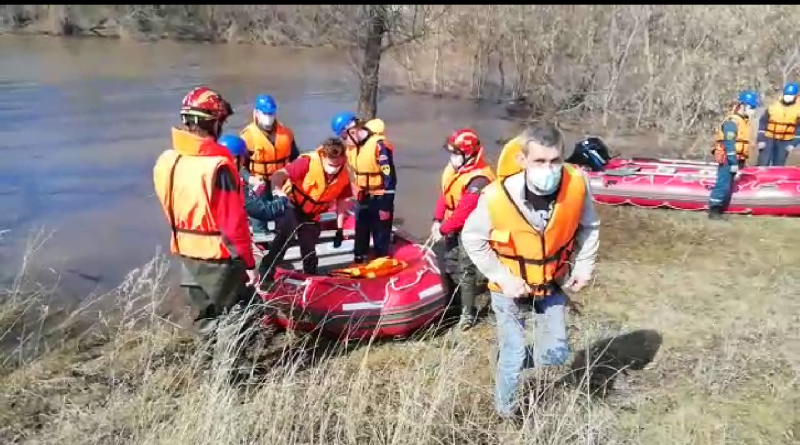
pixel 724 298
pixel 675 68
pixel 134 377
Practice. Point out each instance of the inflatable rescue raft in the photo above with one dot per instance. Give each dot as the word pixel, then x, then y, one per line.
pixel 392 296
pixel 676 183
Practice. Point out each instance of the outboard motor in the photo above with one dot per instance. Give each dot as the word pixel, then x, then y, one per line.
pixel 591 152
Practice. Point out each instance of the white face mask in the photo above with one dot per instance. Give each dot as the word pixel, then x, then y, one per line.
pixel 330 169
pixel 543 180
pixel 788 99
pixel 265 121
pixel 749 111
pixel 456 160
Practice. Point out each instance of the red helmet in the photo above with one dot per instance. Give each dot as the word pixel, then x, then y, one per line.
pixel 465 141
pixel 204 103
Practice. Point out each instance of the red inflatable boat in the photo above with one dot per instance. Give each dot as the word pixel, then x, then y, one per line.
pixel 676 183
pixel 686 185
pixel 393 297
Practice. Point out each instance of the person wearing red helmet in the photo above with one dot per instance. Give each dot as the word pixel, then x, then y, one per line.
pixel 463 178
pixel 200 191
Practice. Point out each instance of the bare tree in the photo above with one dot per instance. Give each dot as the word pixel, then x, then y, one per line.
pixel 372 47
pixel 383 28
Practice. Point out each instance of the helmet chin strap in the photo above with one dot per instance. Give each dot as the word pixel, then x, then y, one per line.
pixel 468 160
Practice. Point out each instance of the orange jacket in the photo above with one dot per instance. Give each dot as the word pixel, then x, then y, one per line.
pixel 265 157
pixel 201 194
pixel 538 258
pixel 314 193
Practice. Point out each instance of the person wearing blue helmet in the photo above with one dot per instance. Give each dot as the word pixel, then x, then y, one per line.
pixel 731 150
pixel 370 159
pixel 270 142
pixel 261 207
pixel 778 129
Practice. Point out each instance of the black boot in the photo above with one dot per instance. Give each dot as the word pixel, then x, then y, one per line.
pixel 715 213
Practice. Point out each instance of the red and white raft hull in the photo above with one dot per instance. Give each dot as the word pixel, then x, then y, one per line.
pixel 393 306
pixel 686 185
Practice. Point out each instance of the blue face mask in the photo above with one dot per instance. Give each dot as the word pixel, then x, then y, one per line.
pixel 543 180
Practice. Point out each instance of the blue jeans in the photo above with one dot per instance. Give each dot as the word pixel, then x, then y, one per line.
pixel 544 320
pixel 723 188
pixel 774 153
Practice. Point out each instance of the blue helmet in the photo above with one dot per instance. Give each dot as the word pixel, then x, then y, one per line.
pixel 791 89
pixel 234 144
pixel 341 120
pixel 750 98
pixel 266 104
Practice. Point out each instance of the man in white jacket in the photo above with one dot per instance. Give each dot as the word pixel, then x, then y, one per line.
pixel 533 234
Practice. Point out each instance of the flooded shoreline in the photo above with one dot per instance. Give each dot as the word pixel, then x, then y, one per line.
pixel 85 120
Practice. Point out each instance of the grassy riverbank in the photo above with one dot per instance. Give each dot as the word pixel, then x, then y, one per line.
pixel 723 297
pixel 672 68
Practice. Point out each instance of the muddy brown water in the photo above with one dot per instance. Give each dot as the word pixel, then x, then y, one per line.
pixel 82 122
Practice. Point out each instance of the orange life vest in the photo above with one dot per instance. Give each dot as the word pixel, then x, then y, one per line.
pixel 455 182
pixel 379 267
pixel 184 182
pixel 363 160
pixel 539 259
pixel 742 136
pixel 782 121
pixel 266 158
pixel 314 193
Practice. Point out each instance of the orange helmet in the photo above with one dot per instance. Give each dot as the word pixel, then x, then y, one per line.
pixel 464 141
pixel 203 103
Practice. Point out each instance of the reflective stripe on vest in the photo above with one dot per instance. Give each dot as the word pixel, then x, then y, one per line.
pixel 742 136
pixel 539 259
pixel 315 193
pixel 363 161
pixel 454 183
pixel 265 157
pixel 782 121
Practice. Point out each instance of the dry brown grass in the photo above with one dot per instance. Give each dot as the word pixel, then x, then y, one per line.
pixel 673 68
pixel 725 297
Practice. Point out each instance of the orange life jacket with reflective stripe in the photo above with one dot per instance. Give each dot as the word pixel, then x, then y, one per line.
pixel 363 160
pixel 455 182
pixel 314 194
pixel 539 259
pixel 266 158
pixel 742 136
pixel 379 267
pixel 782 121
pixel 184 182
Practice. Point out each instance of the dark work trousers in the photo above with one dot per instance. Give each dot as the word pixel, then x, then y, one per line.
pixel 461 270
pixel 721 193
pixel 214 290
pixel 774 153
pixel 292 224
pixel 369 224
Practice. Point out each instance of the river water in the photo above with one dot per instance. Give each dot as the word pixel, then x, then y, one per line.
pixel 83 120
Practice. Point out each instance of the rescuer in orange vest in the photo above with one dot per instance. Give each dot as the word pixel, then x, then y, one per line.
pixel 201 194
pixel 731 150
pixel 271 143
pixel 370 158
pixel 463 179
pixel 312 182
pixel 779 128
pixel 533 234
